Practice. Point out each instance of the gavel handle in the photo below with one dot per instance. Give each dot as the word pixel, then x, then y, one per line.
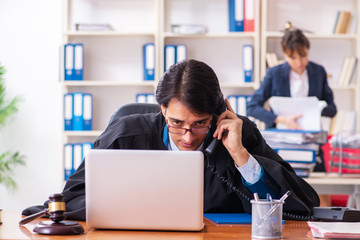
pixel 33 217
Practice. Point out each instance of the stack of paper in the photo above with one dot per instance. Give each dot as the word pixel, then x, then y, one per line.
pixel 309 107
pixel 343 230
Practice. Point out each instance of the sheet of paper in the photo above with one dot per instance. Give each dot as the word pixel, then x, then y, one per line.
pixel 341 230
pixel 309 107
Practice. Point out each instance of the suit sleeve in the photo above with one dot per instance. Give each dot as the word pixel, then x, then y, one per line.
pixel 281 177
pixel 259 97
pixel 327 95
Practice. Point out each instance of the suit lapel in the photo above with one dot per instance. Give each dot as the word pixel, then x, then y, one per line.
pixel 312 80
pixel 285 80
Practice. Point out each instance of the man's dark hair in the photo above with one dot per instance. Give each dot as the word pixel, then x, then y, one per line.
pixel 294 40
pixel 194 84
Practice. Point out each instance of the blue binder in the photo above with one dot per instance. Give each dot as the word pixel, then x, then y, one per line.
pixel 86 146
pixel 68 61
pixel 68 111
pixel 239 103
pixel 181 52
pixel 297 155
pixel 78 123
pixel 149 61
pixel 145 98
pixel 170 56
pixel 87 111
pixel 236 15
pixel 248 62
pixel 78 72
pixel 77 156
pixel 68 160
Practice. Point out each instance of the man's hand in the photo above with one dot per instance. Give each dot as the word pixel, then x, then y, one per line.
pixel 289 121
pixel 229 130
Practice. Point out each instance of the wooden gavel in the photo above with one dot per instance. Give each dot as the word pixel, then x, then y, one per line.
pixel 57 226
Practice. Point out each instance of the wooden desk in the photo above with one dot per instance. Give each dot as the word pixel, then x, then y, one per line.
pixel 10 229
pixel 332 183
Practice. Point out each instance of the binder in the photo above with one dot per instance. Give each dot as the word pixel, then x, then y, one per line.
pixel 248 62
pixel 78 72
pixel 87 111
pixel 170 58
pixel 86 146
pixel 242 102
pixel 78 123
pixel 149 61
pixel 249 15
pixel 233 102
pixel 297 155
pixel 68 111
pixel 180 52
pixel 145 98
pixel 150 98
pixel 69 61
pixel 78 156
pixel 141 98
pixel 68 160
pixel 236 15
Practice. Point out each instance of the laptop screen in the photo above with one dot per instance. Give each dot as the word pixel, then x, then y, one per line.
pixel 144 189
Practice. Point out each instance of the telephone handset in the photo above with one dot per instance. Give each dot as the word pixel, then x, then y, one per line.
pixel 212 146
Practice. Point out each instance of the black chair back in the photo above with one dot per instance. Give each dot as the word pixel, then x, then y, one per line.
pixel 134 108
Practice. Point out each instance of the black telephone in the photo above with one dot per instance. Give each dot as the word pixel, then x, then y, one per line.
pixel 210 149
pixel 336 214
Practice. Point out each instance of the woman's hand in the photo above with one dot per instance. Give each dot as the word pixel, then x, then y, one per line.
pixel 289 121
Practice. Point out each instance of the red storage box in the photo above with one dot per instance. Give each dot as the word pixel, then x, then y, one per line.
pixel 349 160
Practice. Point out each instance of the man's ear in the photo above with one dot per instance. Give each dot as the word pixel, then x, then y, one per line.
pixel 163 110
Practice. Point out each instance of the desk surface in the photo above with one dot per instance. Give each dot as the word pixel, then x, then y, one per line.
pixel 10 229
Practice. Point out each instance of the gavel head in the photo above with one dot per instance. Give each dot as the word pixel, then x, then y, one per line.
pixel 57 207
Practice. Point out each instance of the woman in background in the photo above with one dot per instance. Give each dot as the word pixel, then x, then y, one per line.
pixel 297 77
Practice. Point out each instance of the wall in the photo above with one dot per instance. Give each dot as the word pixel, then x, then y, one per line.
pixel 29 49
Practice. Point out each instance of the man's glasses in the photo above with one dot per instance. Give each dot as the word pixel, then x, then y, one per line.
pixel 183 131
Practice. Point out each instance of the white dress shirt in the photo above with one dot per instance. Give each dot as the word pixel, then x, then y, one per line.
pixel 299 84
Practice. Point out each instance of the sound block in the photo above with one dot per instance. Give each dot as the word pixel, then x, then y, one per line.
pixel 58 228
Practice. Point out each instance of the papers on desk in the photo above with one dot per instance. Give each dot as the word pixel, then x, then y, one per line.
pixel 341 230
pixel 309 107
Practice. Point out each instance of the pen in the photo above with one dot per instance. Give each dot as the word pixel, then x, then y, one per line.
pixel 268 197
pixel 273 208
pixel 256 197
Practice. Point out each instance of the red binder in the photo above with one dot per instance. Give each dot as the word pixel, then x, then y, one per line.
pixel 249 15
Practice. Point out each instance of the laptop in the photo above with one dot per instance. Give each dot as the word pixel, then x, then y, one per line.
pixel 144 189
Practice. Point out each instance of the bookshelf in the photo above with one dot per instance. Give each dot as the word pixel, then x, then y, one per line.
pixel 326 48
pixel 113 70
pixel 219 48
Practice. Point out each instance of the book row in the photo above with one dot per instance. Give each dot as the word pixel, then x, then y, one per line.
pixel 176 53
pixel 74 154
pixel 241 15
pixel 74 60
pixel 78 111
pixel 345 22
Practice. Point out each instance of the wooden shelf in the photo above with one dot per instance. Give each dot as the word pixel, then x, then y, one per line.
pixel 91 83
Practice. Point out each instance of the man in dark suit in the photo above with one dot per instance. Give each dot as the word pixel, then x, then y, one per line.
pixel 298 77
pixel 193 114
